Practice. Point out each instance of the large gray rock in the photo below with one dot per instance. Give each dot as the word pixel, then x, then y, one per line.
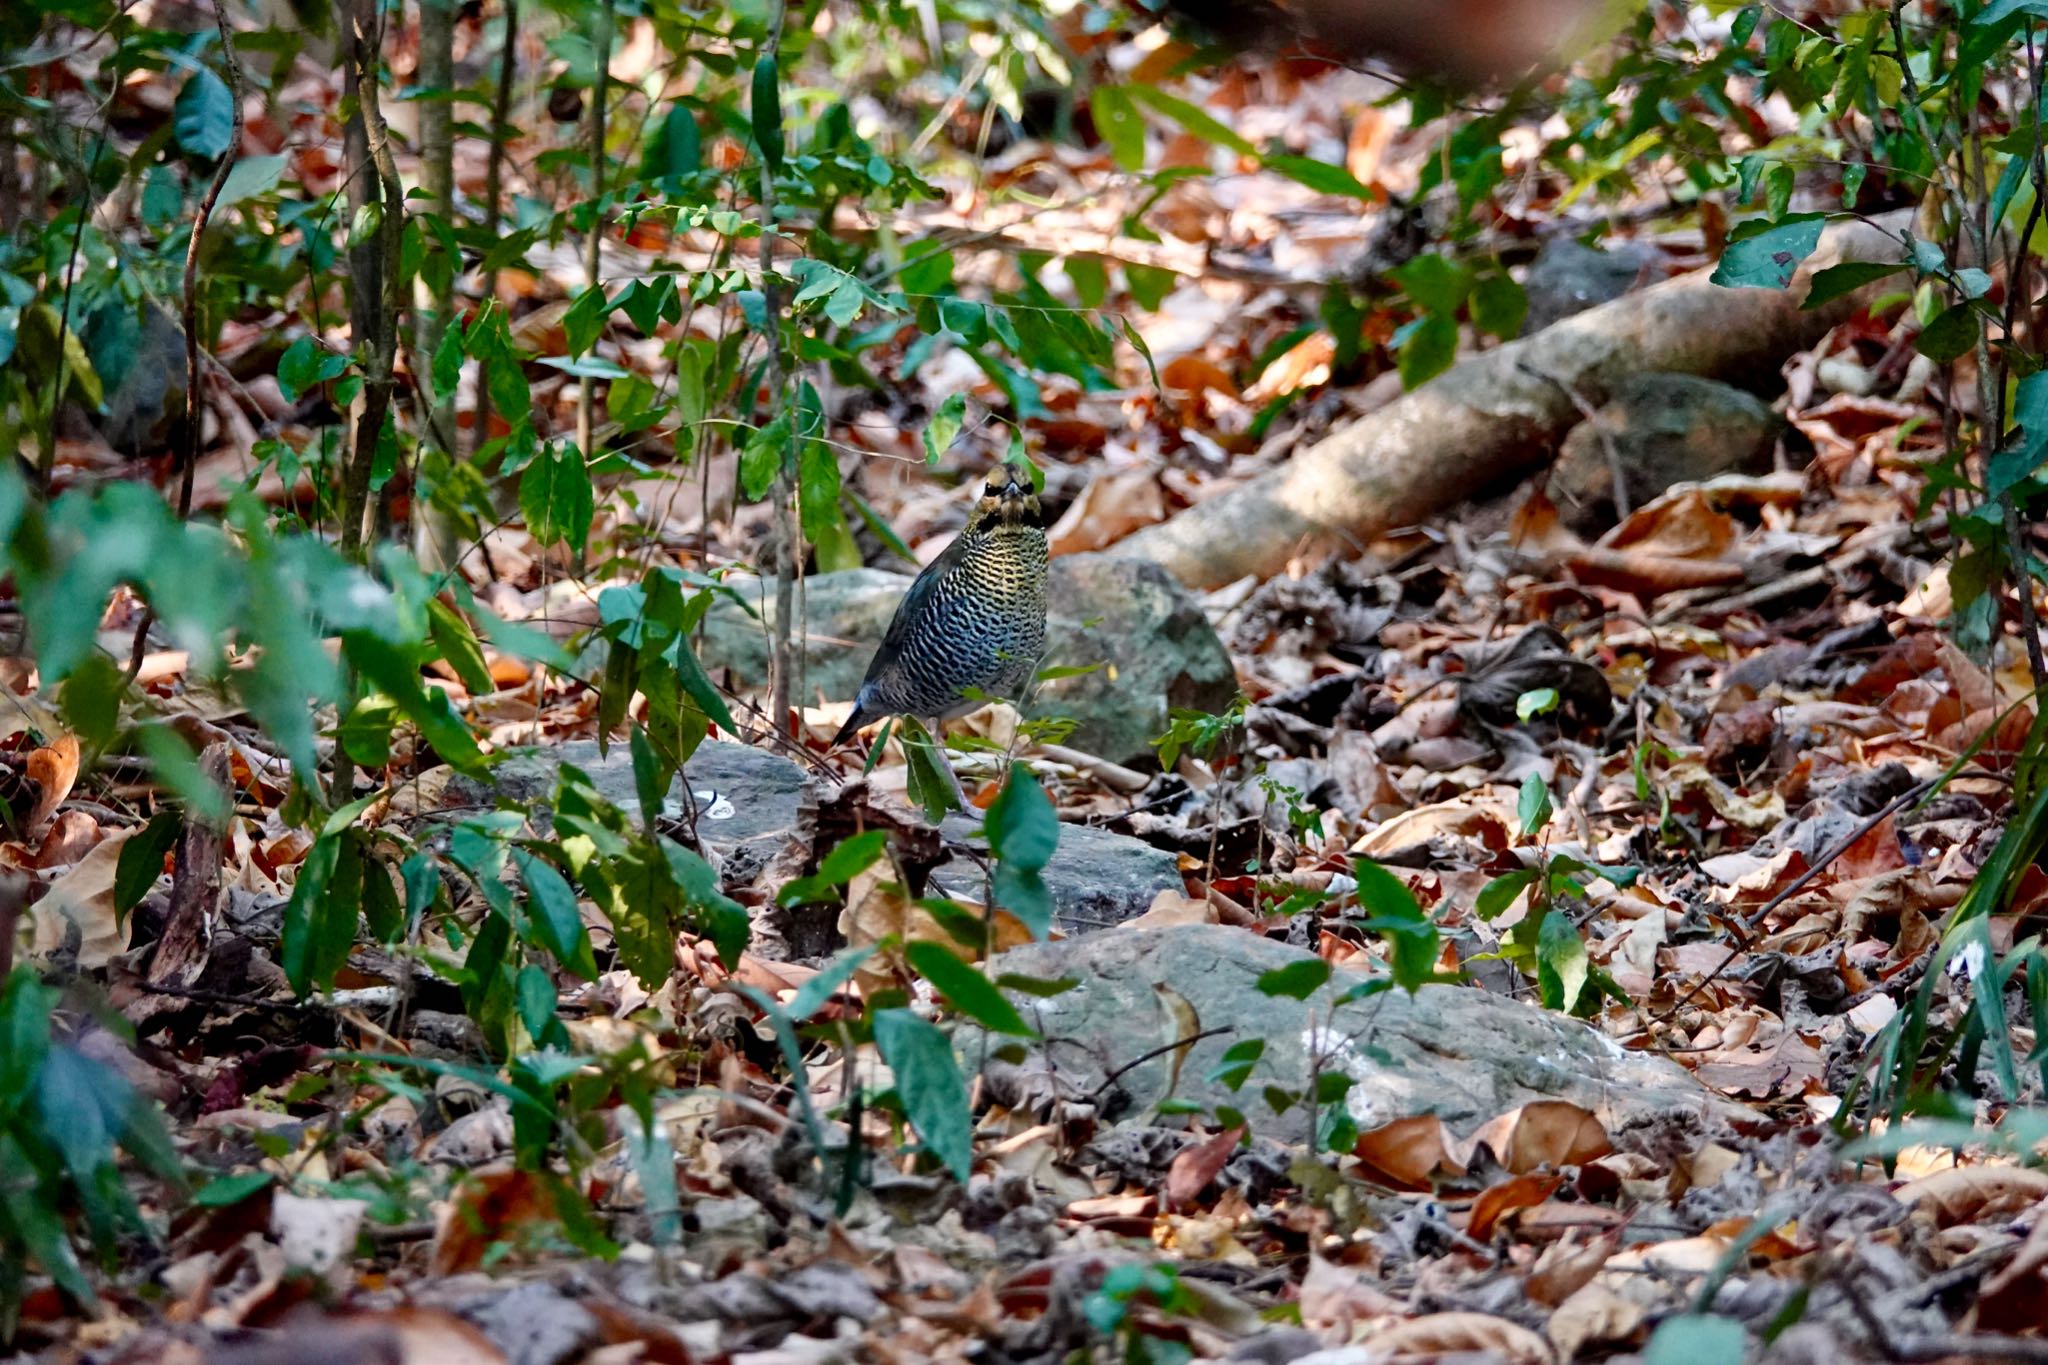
pixel 748 801
pixel 1453 1051
pixel 751 803
pixel 1156 648
pixel 1569 277
pixel 1665 429
pixel 1098 879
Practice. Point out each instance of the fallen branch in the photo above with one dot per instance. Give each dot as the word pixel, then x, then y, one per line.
pixel 1491 417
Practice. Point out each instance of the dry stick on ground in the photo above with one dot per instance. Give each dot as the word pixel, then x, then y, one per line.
pixel 1486 419
pixel 187 940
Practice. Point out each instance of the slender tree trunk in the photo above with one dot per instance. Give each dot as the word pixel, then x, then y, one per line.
pixel 435 536
pixel 376 202
pixel 494 174
pixel 790 533
pixel 586 387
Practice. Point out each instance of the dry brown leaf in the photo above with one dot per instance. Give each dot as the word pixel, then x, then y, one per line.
pixel 1497 1201
pixel 1544 1133
pixel 491 1206
pixel 1111 507
pixel 402 1336
pixel 1337 1298
pixel 54 768
pixel 1196 1166
pixel 1565 1267
pixel 1171 907
pixel 78 909
pixel 2016 1298
pixel 1408 1152
pixel 1972 1194
pixel 1684 523
pixel 1443 1333
pixel 1593 1314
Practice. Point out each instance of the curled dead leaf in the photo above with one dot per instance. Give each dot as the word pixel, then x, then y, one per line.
pixel 1441 1334
pixel 1972 1194
pixel 1544 1133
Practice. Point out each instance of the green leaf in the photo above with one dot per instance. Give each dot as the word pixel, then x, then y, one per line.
pixel 1319 176
pixel 320 918
pixel 945 424
pixel 840 866
pixel 1846 278
pixel 1952 334
pixel 556 920
pixel 1533 806
pixel 1498 894
pixel 1436 283
pixel 1499 306
pixel 142 861
pixel 225 1191
pixel 1537 701
pixel 766 108
pixel 1561 964
pixel 1238 1060
pixel 1023 828
pixel 966 989
pixel 929 1084
pixel 204 116
pixel 584 322
pixel 459 648
pixel 249 177
pixel 1428 347
pixel 397 676
pixel 1770 258
pixel 2009 182
pixel 304 365
pixel 1198 121
pixel 381 909
pixel 556 498
pixel 762 458
pixel 1412 938
pixel 1697 1339
pixel 1117 118
pixel 1296 980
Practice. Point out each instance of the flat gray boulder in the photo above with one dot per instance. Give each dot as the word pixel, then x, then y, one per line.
pixel 1151 647
pixel 1457 1052
pixel 750 803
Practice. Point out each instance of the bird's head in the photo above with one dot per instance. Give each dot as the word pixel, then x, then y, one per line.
pixel 1006 501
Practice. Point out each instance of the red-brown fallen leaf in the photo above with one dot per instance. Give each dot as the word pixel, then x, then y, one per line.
pixel 1111 507
pixel 53 768
pixel 2016 1298
pixel 1196 1166
pixel 1408 1152
pixel 489 1207
pixel 1194 374
pixel 1509 1196
pixel 72 837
